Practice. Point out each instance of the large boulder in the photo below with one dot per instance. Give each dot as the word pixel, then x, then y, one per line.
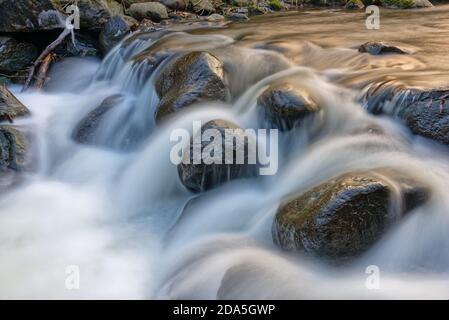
pixel 342 217
pixel 208 174
pixel 424 111
pixel 285 106
pixel 194 77
pixel 15 55
pixel 10 106
pixel 113 32
pixel 153 10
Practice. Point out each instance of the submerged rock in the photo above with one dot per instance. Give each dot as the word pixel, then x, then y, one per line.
pixel 84 131
pixel 153 10
pixel 285 106
pixel 207 174
pixel 344 216
pixel 380 47
pixel 10 106
pixel 194 77
pixel 15 55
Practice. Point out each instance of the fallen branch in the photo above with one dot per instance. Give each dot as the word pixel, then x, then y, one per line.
pixel 52 46
pixel 43 70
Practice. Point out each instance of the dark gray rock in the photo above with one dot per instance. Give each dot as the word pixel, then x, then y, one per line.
pixel 193 77
pixel 341 218
pixel 15 55
pixel 205 176
pixel 424 111
pixel 286 106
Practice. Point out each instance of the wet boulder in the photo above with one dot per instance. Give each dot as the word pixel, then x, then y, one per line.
pixel 381 47
pixel 113 32
pixel 424 111
pixel 15 55
pixel 191 78
pixel 286 106
pixel 153 10
pixel 10 106
pixel 342 217
pixel 86 128
pixel 200 172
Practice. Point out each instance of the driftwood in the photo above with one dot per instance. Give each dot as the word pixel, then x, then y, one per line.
pixel 52 46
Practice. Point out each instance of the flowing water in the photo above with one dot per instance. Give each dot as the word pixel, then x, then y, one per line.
pixel 117 210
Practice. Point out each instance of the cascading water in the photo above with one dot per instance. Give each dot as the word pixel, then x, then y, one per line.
pixel 116 208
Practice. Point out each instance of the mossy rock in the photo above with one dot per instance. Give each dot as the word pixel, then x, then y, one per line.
pixel 206 174
pixel 286 106
pixel 194 77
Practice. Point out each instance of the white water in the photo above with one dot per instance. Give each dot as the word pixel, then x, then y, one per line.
pixel 119 215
